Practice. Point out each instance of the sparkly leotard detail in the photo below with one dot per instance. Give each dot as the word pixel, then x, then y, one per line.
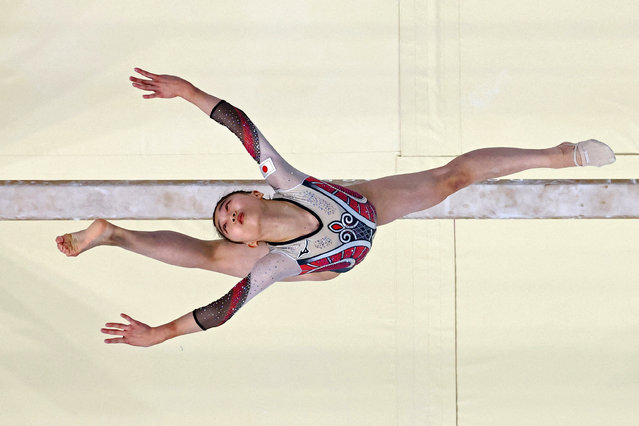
pixel 347 223
pixel 347 227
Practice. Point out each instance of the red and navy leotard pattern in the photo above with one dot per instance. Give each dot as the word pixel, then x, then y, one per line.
pixel 355 229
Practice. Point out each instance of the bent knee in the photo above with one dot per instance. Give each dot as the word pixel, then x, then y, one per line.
pixel 452 180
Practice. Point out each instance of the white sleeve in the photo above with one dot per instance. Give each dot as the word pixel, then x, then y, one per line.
pixel 271 268
pixel 277 172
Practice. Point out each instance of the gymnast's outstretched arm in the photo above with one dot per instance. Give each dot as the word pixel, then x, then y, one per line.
pixel 136 333
pixel 277 171
pixel 268 270
pixel 170 86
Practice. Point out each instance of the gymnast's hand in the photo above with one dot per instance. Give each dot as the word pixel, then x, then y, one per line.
pixel 135 333
pixel 162 86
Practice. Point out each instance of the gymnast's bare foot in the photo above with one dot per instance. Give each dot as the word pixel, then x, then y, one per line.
pixel 98 233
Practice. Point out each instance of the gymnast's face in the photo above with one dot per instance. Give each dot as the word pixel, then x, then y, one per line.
pixel 238 217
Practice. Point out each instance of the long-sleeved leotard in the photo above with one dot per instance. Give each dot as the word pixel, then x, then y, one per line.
pixel 347 223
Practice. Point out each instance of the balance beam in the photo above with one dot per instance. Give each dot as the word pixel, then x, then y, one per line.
pixel 195 200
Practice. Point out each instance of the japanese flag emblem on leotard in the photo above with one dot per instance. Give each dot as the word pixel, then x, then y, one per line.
pixel 267 167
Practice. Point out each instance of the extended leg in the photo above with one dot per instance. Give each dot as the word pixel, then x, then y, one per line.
pixel 166 246
pixel 174 248
pixel 397 196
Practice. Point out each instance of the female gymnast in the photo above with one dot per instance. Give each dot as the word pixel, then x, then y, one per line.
pixel 310 230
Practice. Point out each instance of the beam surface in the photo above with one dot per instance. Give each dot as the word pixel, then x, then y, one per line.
pixel 495 199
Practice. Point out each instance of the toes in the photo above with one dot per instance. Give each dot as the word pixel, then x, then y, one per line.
pixel 65 245
pixel 64 249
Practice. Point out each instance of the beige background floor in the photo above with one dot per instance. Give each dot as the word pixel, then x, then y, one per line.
pixel 469 322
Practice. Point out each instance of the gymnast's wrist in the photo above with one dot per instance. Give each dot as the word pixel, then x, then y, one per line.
pixel 188 91
pixel 162 333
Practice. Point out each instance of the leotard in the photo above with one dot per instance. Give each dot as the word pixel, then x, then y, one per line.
pixel 347 223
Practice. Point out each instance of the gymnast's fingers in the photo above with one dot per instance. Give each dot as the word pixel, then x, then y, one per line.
pixel 117 340
pixel 113 332
pixel 138 80
pixel 116 325
pixel 156 90
pixel 129 319
pixel 143 82
pixel 146 73
pixel 145 86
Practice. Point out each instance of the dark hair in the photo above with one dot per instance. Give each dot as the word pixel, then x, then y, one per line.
pixel 224 198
